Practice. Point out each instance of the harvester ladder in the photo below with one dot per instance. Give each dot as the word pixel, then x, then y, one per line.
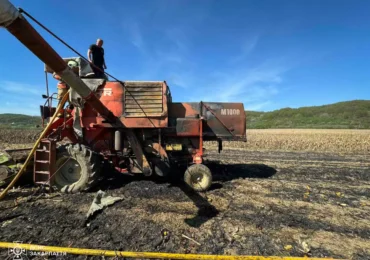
pixel 44 162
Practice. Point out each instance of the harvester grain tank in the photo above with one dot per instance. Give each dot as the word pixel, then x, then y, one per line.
pixel 133 127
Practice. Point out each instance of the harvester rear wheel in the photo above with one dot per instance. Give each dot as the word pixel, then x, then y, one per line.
pixel 77 168
pixel 198 177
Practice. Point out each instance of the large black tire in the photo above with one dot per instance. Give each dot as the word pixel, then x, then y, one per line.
pixel 198 177
pixel 77 168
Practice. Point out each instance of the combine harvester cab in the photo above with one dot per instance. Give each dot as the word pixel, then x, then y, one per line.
pixel 131 126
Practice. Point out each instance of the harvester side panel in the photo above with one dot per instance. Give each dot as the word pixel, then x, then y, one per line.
pixel 145 99
pixel 113 95
pixel 226 121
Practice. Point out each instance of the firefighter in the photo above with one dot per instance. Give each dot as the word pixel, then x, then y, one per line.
pixel 95 55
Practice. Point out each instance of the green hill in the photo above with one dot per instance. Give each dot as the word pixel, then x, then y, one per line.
pixel 19 121
pixel 343 115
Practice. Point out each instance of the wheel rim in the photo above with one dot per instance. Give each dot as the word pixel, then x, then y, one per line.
pixel 197 180
pixel 68 171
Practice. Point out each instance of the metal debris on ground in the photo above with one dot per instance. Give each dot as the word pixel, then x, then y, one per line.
pixel 184 236
pixel 100 202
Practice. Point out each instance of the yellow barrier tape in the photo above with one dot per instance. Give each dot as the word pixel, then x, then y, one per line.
pixel 150 255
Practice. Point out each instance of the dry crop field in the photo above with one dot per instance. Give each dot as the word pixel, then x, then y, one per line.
pixel 284 193
pixel 305 140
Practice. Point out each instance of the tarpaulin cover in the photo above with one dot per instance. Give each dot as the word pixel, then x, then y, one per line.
pixel 93 84
pixel 84 69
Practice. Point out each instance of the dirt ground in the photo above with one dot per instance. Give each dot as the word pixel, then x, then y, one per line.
pixel 261 203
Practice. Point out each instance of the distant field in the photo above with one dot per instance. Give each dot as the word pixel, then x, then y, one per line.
pixel 309 140
pixel 17 138
pixel 305 140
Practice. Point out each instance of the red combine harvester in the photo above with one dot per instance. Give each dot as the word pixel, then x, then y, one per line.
pixel 132 126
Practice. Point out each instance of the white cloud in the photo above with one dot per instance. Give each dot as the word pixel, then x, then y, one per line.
pixel 137 38
pixel 257 106
pixel 254 87
pixel 20 88
pixel 20 98
pixel 255 83
pixel 21 105
pixel 180 80
pixel 179 38
pixel 246 48
pixel 134 34
pixel 250 44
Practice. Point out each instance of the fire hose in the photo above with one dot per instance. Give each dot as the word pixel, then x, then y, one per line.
pixel 149 255
pixel 24 166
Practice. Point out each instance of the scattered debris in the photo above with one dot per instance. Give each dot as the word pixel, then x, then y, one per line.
pixel 7 218
pixel 288 247
pixel 166 235
pixel 6 223
pixel 191 239
pixel 100 202
pixel 304 247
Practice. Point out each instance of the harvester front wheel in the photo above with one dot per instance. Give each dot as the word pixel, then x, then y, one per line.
pixel 198 177
pixel 77 168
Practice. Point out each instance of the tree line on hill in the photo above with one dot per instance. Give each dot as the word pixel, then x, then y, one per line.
pixel 343 115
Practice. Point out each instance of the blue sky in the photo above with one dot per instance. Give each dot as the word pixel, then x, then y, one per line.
pixel 267 54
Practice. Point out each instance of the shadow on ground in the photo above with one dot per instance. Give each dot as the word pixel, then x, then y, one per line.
pixel 221 173
pixel 229 172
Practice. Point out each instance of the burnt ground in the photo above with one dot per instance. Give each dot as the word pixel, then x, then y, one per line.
pixel 261 203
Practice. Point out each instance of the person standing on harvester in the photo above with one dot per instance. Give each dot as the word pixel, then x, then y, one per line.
pixel 95 55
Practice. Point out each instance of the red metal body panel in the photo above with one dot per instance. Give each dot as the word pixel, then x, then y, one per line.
pixel 228 120
pixel 179 110
pixel 112 96
pixel 221 120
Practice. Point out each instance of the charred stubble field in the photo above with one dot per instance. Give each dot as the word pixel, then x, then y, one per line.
pixel 269 197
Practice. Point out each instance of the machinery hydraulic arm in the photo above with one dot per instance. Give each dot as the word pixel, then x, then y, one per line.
pixel 16 24
pixel 12 19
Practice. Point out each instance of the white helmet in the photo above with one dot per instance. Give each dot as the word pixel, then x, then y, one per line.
pixel 72 64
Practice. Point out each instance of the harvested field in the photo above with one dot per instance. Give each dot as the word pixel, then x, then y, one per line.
pixel 17 138
pixel 302 140
pixel 273 200
pixel 315 140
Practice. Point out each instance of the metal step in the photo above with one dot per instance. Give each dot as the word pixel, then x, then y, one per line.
pixel 41 161
pixel 44 162
pixel 42 172
pixel 41 150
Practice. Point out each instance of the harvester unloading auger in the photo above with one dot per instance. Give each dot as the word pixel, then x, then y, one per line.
pixel 132 126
